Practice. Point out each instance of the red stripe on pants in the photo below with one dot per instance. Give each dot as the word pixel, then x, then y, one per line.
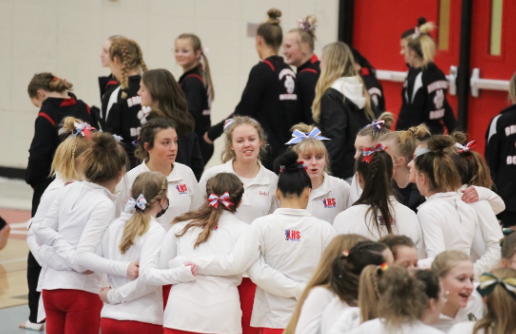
pixel 271 331
pixel 166 292
pixel 247 289
pixel 72 311
pixel 112 326
pixel 177 331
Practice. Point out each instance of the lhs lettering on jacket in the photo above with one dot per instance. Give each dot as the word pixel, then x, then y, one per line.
pixel 182 189
pixel 510 130
pixel 290 84
pixel 134 101
pixel 291 235
pixel 329 203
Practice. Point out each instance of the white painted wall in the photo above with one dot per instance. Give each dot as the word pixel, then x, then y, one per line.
pixel 65 38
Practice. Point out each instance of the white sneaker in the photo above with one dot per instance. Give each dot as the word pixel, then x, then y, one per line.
pixel 32 326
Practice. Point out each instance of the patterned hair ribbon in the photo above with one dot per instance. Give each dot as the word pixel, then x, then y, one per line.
pixel 299 136
pixel 214 200
pixel 488 282
pixel 136 142
pixel 228 122
pixel 118 138
pixel 368 152
pixel 83 128
pixel 139 203
pixel 465 148
pixel 416 33
pixel 377 125
pixel 300 165
pixel 305 25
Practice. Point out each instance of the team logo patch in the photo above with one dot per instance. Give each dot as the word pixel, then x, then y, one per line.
pixel 263 193
pixel 182 189
pixel 329 203
pixel 381 221
pixel 292 235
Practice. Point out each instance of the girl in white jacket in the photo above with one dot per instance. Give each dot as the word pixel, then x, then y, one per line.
pixel 133 306
pixel 377 212
pixel 329 195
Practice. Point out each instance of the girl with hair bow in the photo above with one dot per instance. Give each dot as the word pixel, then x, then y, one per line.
pixel 329 195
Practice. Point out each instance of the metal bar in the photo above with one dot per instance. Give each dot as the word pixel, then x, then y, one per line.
pixel 463 77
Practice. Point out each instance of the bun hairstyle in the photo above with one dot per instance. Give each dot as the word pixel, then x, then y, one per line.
pixel 346 270
pixel 69 151
pixel 271 30
pixel 306 31
pixel 377 175
pixel 311 144
pixel 472 167
pixel 47 82
pixel 208 215
pixel 445 261
pixel 131 57
pixel 499 319
pixel 113 38
pixel 430 282
pixel 197 47
pixel 338 62
pixel 438 164
pixel 394 241
pixel 405 142
pixel 376 129
pixel 403 298
pixel 168 100
pixel 508 244
pixel 227 152
pixel 104 160
pixel 153 186
pixel 148 135
pixel 420 41
pixel 293 179
pixel 420 21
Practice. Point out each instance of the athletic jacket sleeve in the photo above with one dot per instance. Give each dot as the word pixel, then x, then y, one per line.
pixel 40 151
pixel 253 91
pixel 113 120
pixel 218 129
pixel 273 281
pixel 491 236
pixel 334 124
pixel 432 233
pixel 449 118
pixel 309 321
pixel 45 255
pixel 493 146
pixel 195 94
pixel 306 85
pixel 150 272
pixel 496 202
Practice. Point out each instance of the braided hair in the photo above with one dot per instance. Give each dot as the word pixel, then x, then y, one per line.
pixel 131 57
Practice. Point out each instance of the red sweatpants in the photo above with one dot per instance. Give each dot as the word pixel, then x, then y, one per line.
pixel 176 331
pixel 166 292
pixel 112 326
pixel 271 331
pixel 247 289
pixel 72 311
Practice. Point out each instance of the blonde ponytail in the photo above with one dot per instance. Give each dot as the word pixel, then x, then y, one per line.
pixel 423 44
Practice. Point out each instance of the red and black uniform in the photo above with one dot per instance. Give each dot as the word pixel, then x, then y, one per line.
pixel 306 80
pixel 500 155
pixel 368 75
pixel 41 153
pixel 106 85
pixel 424 100
pixel 270 98
pixel 199 105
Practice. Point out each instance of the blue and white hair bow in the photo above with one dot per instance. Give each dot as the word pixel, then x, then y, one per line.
pixel 139 203
pixel 377 125
pixel 118 138
pixel 299 136
pixel 214 200
pixel 83 128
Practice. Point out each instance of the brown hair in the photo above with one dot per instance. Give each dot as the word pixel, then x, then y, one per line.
pixel 374 133
pixel 197 46
pixel 104 160
pixel 153 186
pixel 306 31
pixel 338 62
pixel 68 152
pixel 227 152
pixel 168 99
pixel 446 260
pixel 438 165
pixel 423 44
pixel 406 141
pixel 271 30
pixel 321 276
pixel 207 217
pixel 369 293
pixel 500 305
pixel 49 83
pixel 131 57
pixel 472 167
pixel 394 241
pixel 311 144
pixel 508 244
pixel 148 135
pixel 113 38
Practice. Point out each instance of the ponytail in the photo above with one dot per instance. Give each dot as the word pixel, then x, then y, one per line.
pixel 472 167
pixel 293 179
pixel 47 82
pixel 369 292
pixel 130 55
pixel 405 142
pixel 379 127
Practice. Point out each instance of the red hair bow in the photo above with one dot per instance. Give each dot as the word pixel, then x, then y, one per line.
pixel 368 152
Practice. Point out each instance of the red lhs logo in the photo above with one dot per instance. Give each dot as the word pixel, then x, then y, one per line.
pixel 329 203
pixel 182 189
pixel 292 235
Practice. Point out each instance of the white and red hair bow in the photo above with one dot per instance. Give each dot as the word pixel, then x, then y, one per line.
pixel 214 200
pixel 83 128
pixel 377 125
pixel 368 152
pixel 465 148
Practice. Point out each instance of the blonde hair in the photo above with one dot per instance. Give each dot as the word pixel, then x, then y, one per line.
pixel 131 57
pixel 227 152
pixel 307 34
pixel 322 274
pixel 47 82
pixel 423 44
pixel 369 293
pixel 445 261
pixel 405 142
pixel 371 131
pixel 512 89
pixel 500 305
pixel 311 144
pixel 153 186
pixel 68 152
pixel 338 62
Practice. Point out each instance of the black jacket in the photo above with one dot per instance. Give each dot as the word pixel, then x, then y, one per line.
pixel 340 120
pixel 270 98
pixel 306 80
pixel 106 83
pixel 500 155
pixel 46 140
pixel 424 100
pixel 368 75
pixel 409 196
pixel 106 86
pixel 199 101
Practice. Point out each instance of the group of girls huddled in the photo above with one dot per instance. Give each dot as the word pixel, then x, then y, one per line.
pixel 319 219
